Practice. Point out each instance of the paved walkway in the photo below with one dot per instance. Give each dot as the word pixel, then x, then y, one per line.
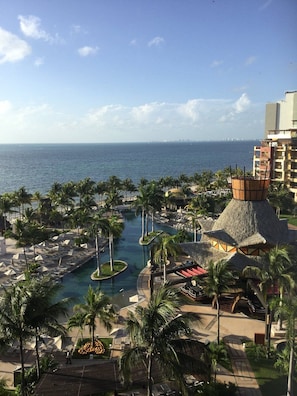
pixel 234 328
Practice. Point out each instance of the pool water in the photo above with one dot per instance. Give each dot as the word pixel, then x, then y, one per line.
pixel 126 248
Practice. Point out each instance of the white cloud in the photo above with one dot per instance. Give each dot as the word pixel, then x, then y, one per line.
pixel 30 27
pixel 196 119
pixel 190 109
pixel 216 63
pixel 86 51
pixel 250 60
pixel 5 106
pixel 133 42
pixel 156 42
pixel 241 105
pixel 12 48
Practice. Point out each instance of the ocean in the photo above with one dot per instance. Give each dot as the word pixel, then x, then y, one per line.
pixel 38 166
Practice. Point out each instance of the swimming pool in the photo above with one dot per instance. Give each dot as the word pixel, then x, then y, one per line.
pixel 126 248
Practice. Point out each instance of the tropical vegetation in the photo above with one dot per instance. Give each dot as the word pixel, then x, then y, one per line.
pixel 96 306
pixel 160 340
pixel 91 208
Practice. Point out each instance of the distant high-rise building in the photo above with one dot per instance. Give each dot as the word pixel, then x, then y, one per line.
pixel 276 157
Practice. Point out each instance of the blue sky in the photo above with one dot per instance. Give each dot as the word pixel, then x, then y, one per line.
pixel 142 70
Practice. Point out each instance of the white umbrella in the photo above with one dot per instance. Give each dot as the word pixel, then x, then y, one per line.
pixel 39 258
pixel 21 277
pixel 2 264
pixel 44 268
pixel 10 271
pixel 84 245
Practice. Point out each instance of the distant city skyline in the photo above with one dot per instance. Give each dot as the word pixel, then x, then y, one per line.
pixel 104 71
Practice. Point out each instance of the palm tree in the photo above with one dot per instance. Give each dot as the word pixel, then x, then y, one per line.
pixel 96 305
pixel 115 228
pixel 6 206
pixel 13 307
pixel 100 224
pixel 159 337
pixel 276 272
pixel 217 281
pixel 43 312
pixel 142 204
pixel 285 361
pixel 22 198
pixel 128 186
pixel 164 247
pixel 217 354
pixel 85 187
pixel 156 198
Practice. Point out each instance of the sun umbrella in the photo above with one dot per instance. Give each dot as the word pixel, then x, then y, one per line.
pixel 10 271
pixel 39 258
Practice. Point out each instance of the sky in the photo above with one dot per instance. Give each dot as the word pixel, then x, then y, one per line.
pixel 100 71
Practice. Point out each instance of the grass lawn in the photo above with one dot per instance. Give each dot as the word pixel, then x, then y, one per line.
pixel 291 219
pixel 271 381
pixel 150 237
pixel 106 272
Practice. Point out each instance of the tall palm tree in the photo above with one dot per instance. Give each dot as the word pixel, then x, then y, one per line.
pixel 43 312
pixel 217 281
pixel 217 354
pixel 96 305
pixel 275 274
pixel 156 199
pixel 142 205
pixel 22 198
pixel 99 224
pixel 288 309
pixel 164 247
pixel 13 307
pixel 115 228
pixel 159 338
pixel 85 187
pixel 6 207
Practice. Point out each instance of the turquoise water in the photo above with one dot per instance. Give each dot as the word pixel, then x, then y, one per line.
pixel 124 285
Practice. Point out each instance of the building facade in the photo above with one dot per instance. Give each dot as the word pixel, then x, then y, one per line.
pixel 276 157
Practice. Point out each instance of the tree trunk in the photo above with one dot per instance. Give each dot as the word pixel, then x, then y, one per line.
pixel 22 367
pixel 111 252
pixel 142 224
pixel 153 221
pixel 149 376
pixel 291 371
pixel 164 273
pixel 37 355
pixel 146 224
pixel 97 255
pixel 218 319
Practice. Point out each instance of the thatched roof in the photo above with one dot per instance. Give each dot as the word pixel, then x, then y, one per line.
pixel 246 223
pixel 202 252
pixel 206 223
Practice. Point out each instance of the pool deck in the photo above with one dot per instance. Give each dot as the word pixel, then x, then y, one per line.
pixel 234 328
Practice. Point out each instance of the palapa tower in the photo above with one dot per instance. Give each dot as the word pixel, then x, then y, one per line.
pixel 246 229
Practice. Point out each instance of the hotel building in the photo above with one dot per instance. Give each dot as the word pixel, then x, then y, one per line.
pixel 276 157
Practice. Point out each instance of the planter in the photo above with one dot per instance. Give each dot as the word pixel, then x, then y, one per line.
pixel 250 189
